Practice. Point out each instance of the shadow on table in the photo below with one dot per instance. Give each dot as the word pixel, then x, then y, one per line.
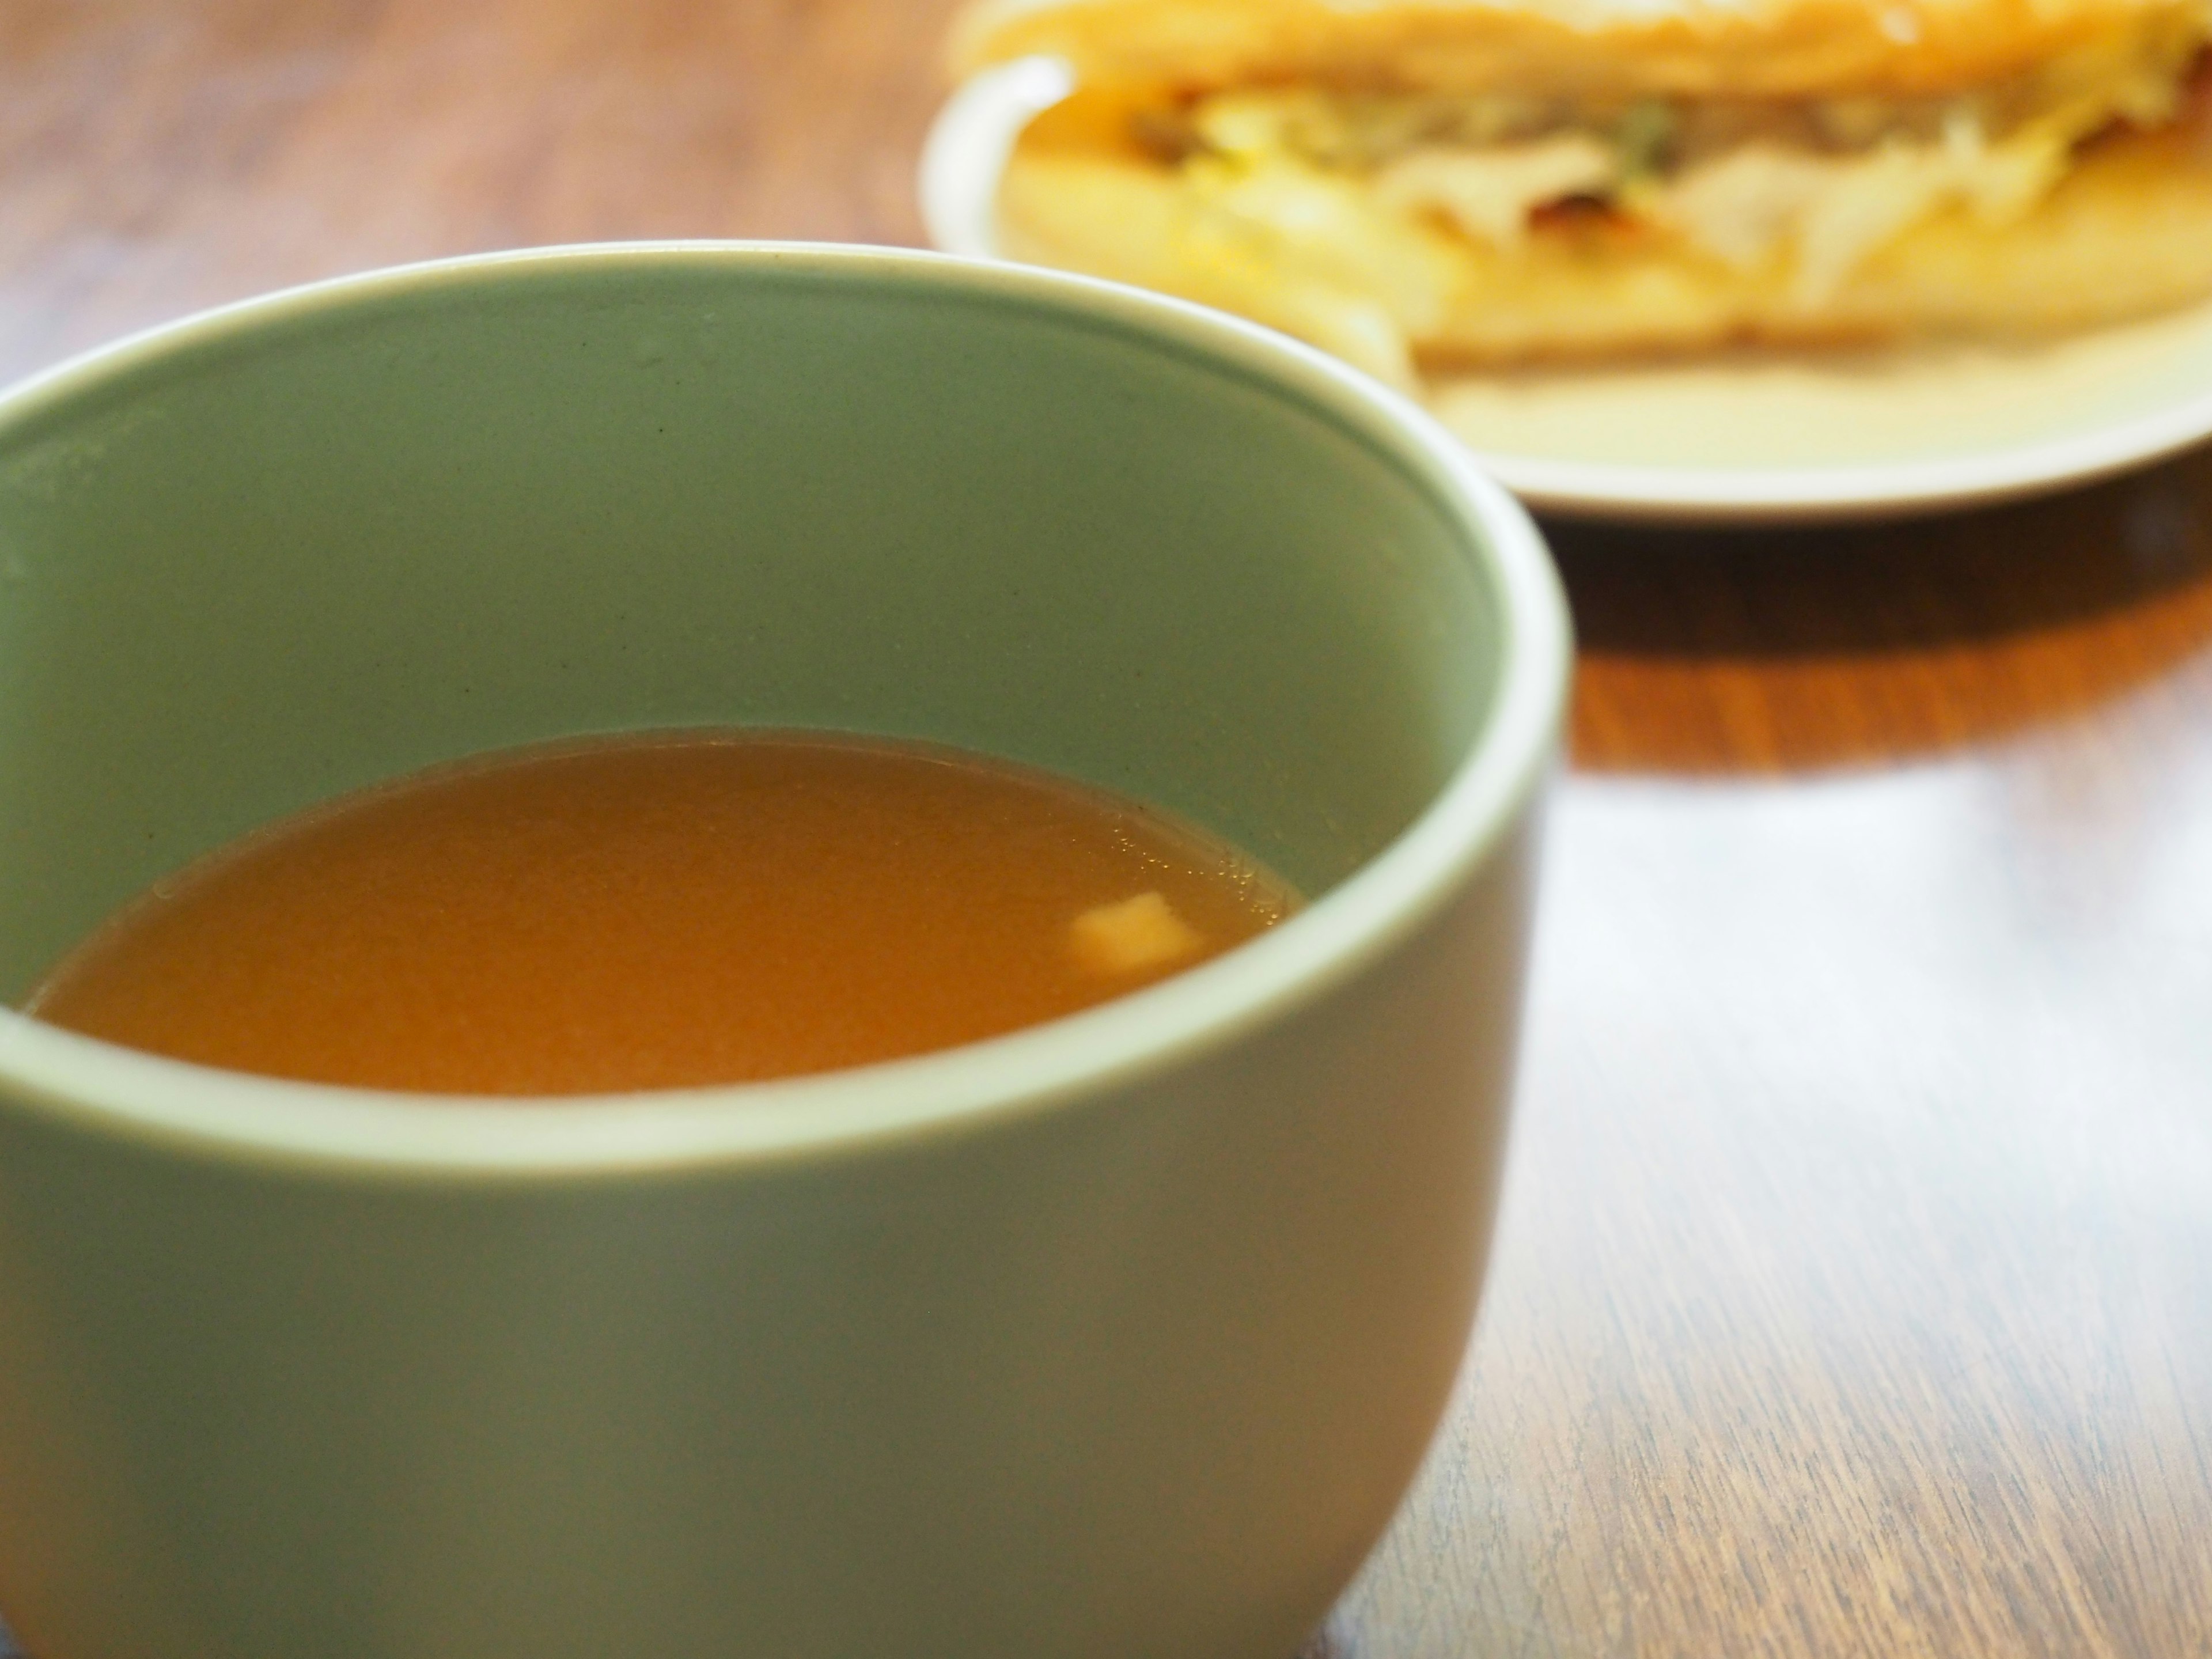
pixel 1789 650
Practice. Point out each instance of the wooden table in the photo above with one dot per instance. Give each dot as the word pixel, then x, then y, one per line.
pixel 1854 1291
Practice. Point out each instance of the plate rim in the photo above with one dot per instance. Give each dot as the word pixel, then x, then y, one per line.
pixel 973 134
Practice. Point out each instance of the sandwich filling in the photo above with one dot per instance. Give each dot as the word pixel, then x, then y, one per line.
pixel 1345 187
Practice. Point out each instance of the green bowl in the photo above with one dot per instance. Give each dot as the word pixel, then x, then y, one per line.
pixel 1119 1336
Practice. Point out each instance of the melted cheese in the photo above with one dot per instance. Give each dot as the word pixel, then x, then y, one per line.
pixel 1489 193
pixel 1828 213
pixel 2127 231
pixel 1329 180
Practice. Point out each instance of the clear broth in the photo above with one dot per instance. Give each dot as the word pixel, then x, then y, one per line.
pixel 657 911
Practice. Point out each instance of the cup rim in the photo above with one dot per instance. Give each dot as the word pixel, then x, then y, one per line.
pixel 93 1084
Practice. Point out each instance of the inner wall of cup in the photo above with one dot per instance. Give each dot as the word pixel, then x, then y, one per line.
pixel 361 533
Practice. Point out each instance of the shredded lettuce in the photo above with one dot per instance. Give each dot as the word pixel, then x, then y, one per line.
pixel 1820 183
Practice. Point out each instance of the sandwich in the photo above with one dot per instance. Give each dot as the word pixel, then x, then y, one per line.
pixel 1422 184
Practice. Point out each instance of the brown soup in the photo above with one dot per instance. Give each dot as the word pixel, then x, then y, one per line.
pixel 656 911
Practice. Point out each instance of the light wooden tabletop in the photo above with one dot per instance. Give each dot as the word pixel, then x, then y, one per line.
pixel 1854 1288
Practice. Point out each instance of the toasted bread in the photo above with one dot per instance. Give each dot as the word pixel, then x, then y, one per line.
pixel 1752 48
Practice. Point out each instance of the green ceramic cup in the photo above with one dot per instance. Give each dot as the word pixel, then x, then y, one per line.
pixel 1120 1336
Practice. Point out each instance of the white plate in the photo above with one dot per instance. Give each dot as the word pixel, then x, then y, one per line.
pixel 1745 437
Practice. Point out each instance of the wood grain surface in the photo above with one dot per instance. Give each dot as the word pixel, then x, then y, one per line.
pixel 1854 1290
